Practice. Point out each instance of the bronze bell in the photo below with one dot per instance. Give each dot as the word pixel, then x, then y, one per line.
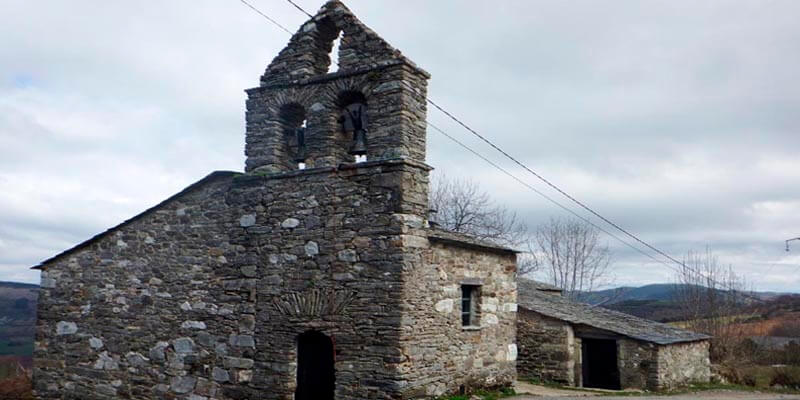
pixel 354 119
pixel 359 147
pixel 300 134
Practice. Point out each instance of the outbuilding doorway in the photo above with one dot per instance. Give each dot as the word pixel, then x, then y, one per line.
pixel 315 372
pixel 599 363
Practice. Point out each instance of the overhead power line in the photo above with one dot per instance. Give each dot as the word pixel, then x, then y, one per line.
pixel 542 194
pixel 552 185
pixel 300 8
pixel 573 199
pixel 534 173
pixel 276 23
pixel 582 218
pixel 507 155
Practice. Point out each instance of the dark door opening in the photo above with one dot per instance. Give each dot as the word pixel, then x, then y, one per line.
pixel 315 373
pixel 599 364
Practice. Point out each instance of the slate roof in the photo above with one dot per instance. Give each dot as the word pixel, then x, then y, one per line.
pixel 528 285
pixel 597 317
pixel 437 234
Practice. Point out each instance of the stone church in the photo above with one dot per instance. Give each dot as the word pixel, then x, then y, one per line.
pixel 308 276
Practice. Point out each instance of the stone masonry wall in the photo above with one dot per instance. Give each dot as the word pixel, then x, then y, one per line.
pixel 395 99
pixel 638 363
pixel 329 250
pixel 442 356
pixel 546 348
pixel 683 363
pixel 139 312
pixel 204 297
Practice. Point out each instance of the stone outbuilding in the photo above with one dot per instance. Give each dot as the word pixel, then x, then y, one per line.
pixel 308 276
pixel 581 345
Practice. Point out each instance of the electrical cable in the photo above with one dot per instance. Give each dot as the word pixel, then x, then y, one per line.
pixel 525 167
pixel 300 8
pixel 265 16
pixel 559 190
pixel 582 218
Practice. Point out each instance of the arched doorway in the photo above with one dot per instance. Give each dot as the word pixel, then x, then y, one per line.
pixel 315 373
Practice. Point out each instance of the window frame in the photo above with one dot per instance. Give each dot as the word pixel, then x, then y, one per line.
pixel 470 297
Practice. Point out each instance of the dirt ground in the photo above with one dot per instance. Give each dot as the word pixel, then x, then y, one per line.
pixel 535 392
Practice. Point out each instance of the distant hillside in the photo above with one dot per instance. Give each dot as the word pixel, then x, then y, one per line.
pixel 18 285
pixel 662 292
pixel 17 318
pixel 656 302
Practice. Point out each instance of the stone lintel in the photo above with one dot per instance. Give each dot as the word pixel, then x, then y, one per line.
pixel 358 168
pixel 472 281
pixel 341 74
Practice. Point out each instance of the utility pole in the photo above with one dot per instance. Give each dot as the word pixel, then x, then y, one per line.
pixel 789 240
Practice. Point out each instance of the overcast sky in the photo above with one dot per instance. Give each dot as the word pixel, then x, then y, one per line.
pixel 679 120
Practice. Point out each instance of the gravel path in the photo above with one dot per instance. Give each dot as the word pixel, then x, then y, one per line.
pixel 711 395
pixel 535 392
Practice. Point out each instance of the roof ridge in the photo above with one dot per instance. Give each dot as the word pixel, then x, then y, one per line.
pixel 208 178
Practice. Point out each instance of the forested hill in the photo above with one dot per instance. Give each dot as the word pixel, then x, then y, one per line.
pixel 663 291
pixel 17 318
pixel 656 292
pixel 656 302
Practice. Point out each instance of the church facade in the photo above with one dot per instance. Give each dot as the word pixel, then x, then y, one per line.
pixel 308 276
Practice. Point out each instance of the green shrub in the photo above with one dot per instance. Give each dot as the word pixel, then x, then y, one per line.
pixel 787 377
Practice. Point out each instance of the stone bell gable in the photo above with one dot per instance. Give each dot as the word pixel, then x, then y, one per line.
pixel 297 91
pixel 308 52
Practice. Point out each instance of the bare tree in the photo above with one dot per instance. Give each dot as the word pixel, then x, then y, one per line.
pixel 527 263
pixel 712 296
pixel 571 254
pixel 462 206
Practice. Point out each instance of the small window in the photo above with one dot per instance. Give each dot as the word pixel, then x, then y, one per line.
pixel 470 295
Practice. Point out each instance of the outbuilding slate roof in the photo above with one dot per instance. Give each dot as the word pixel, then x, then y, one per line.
pixel 597 317
pixel 530 285
pixel 438 234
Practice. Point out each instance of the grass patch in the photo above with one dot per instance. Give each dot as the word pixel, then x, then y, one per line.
pixel 785 379
pixel 484 395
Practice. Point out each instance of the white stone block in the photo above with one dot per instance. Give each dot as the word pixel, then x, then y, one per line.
pixel 312 249
pixel 414 241
pixel 48 283
pixel 247 221
pixel 290 223
pixel 66 328
pixel 444 306
pixel 512 352
pixel 95 343
pixel 489 305
pixel 193 325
